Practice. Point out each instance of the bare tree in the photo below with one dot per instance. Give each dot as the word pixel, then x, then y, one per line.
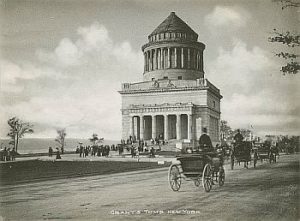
pixel 291 40
pixel 288 3
pixel 225 130
pixel 17 130
pixel 61 138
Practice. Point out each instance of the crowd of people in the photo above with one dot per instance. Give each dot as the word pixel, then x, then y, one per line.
pixel 7 154
pixel 135 147
pixel 94 150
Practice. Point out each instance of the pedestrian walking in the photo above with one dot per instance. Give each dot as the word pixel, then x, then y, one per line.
pixel 58 157
pixel 50 152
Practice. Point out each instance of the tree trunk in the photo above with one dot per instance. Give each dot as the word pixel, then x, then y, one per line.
pixel 17 143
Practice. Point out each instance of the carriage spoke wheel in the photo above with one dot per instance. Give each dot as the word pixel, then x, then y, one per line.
pixel 221 177
pixel 207 178
pixel 174 178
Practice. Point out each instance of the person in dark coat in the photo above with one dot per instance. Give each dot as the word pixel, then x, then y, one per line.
pixel 13 154
pixel 205 141
pixel 50 152
pixel 238 138
pixel 58 157
pixel 81 151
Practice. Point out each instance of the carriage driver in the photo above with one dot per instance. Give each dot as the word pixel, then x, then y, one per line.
pixel 205 141
pixel 238 138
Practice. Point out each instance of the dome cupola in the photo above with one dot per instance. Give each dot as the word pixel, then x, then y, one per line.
pixel 173 28
pixel 173 52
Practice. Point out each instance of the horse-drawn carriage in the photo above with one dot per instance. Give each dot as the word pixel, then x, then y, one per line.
pixel 241 152
pixel 202 167
pixel 264 151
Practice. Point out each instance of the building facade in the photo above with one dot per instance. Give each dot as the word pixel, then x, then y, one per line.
pixel 174 101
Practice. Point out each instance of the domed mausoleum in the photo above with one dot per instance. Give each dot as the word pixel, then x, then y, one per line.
pixel 174 100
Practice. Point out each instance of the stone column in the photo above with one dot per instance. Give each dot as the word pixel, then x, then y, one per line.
pixel 194 59
pixel 148 65
pixel 153 126
pixel 189 58
pixel 161 58
pixel 151 60
pixel 141 127
pixel 182 58
pixel 198 59
pixel 201 61
pixel 175 57
pixel 146 61
pixel 155 59
pixel 169 57
pixel 158 58
pixel 197 63
pixel 166 128
pixel 131 126
pixel 190 126
pixel 178 127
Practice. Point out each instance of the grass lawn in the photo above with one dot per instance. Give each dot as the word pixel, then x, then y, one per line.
pixel 35 170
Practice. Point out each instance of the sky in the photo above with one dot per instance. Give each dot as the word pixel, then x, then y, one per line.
pixel 62 62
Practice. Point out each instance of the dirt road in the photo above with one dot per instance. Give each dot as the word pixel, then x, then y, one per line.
pixel 269 192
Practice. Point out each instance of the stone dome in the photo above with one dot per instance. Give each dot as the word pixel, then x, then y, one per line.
pixel 174 24
pixel 173 52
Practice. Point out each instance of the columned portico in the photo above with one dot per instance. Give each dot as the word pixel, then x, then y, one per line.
pixel 162 122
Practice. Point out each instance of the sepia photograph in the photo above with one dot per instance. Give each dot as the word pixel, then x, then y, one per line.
pixel 149 110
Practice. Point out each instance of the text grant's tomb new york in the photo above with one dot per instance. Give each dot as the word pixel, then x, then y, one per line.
pixel 174 101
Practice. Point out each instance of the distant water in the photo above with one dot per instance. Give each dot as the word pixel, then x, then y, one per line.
pixel 41 145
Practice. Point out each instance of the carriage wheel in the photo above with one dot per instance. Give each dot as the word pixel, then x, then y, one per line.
pixel 174 178
pixel 221 177
pixel 207 178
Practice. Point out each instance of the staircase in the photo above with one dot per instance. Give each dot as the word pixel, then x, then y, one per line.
pixel 170 146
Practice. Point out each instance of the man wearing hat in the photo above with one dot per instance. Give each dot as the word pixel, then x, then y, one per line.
pixel 238 138
pixel 205 141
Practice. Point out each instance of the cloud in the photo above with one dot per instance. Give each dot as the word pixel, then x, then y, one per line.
pixel 227 16
pixel 240 68
pixel 254 91
pixel 93 45
pixel 261 111
pixel 12 75
pixel 85 97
